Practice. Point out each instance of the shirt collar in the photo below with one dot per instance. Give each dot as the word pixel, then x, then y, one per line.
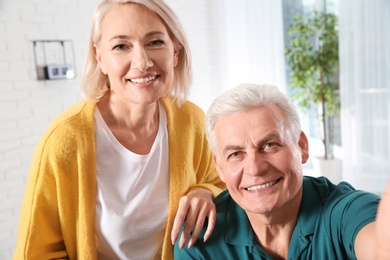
pixel 313 195
pixel 239 230
pixel 237 226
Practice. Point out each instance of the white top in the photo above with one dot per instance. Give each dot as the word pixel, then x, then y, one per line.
pixel 132 195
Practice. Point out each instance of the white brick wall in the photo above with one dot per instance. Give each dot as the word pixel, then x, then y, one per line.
pixel 198 18
pixel 27 105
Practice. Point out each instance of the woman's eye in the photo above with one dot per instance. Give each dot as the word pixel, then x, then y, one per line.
pixel 119 47
pixel 156 43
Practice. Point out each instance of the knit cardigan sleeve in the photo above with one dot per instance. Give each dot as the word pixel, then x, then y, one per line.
pixel 190 160
pixel 57 217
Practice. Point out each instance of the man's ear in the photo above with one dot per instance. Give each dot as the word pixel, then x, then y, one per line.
pixel 218 167
pixel 98 57
pixel 304 145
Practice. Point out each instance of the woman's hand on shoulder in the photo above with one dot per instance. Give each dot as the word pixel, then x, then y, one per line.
pixel 194 208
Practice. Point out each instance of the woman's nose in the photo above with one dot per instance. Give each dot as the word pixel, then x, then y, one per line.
pixel 141 59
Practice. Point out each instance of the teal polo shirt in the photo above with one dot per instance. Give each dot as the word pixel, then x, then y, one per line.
pixel 330 216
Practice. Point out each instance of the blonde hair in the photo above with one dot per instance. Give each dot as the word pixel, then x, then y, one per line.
pixel 95 84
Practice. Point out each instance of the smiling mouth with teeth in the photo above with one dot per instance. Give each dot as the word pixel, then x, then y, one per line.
pixel 143 80
pixel 263 186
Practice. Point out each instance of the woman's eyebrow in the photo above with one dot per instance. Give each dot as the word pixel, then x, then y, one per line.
pixel 127 37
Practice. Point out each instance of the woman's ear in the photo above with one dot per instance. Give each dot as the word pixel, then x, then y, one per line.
pixel 176 53
pixel 98 57
pixel 304 145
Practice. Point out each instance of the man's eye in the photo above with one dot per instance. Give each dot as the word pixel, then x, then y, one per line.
pixel 271 147
pixel 234 155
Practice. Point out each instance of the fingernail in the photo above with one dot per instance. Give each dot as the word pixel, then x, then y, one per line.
pixel 190 244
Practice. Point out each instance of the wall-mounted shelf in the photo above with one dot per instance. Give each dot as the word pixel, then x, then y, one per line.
pixel 54 59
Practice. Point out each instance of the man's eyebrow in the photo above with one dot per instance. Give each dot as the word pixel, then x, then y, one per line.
pixel 230 148
pixel 269 137
pixel 263 140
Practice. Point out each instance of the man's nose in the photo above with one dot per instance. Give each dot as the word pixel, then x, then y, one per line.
pixel 255 164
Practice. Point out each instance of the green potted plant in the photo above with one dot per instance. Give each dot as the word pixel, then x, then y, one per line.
pixel 313 59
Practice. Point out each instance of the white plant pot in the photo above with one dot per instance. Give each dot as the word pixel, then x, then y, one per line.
pixel 330 168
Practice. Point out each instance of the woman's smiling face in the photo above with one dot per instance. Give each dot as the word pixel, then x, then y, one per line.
pixel 137 53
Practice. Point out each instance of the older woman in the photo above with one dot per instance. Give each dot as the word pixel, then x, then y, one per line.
pixel 116 175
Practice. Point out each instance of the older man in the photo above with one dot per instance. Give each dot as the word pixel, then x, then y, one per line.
pixel 270 210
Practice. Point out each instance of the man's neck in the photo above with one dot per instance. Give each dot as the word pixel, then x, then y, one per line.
pixel 273 230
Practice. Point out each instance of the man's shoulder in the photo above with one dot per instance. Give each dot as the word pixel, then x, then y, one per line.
pixel 222 199
pixel 230 238
pixel 325 188
pixel 329 192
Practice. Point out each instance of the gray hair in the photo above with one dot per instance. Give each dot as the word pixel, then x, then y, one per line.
pixel 246 97
pixel 95 84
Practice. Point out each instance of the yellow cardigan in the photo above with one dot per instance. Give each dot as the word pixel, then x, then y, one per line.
pixel 58 211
